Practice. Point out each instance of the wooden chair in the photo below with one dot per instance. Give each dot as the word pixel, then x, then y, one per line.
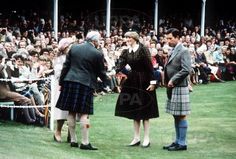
pixel 46 103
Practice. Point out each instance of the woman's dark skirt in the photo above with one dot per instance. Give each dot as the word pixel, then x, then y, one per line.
pixel 76 97
pixel 134 101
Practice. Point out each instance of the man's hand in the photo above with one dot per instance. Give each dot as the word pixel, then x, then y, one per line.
pixel 170 84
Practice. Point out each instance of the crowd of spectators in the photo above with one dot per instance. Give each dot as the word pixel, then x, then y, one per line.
pixel 28 49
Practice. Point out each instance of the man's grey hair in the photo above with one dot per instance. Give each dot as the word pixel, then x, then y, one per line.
pixel 93 36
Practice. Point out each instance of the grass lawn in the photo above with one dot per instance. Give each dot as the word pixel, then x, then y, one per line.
pixel 211 135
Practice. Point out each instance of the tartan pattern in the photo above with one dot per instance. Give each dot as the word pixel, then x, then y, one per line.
pixel 179 104
pixel 76 97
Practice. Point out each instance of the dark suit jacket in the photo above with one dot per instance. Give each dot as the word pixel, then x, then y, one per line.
pixel 84 63
pixel 178 66
pixel 8 95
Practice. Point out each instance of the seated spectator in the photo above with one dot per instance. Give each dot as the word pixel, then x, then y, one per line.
pixel 218 58
pixel 7 94
pixel 109 61
pixel 215 71
pixel 230 62
pixel 25 88
pixel 202 66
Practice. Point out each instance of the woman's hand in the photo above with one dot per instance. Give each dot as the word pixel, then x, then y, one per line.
pixel 151 87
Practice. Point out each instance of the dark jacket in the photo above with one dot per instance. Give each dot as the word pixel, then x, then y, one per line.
pixel 84 63
pixel 7 95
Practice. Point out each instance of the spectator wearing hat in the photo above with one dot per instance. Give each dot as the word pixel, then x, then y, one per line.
pixel 137 100
pixel 60 115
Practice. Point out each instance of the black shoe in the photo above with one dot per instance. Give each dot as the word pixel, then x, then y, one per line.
pixel 74 144
pixel 87 147
pixel 178 148
pixel 168 146
pixel 135 144
pixel 146 146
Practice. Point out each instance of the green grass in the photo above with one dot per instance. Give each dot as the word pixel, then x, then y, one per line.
pixel 212 131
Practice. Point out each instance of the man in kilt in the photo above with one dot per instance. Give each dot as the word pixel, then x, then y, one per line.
pixel 84 64
pixel 177 69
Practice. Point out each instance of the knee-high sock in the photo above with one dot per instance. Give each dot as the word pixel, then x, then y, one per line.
pixel 71 126
pixel 176 130
pixel 183 126
pixel 84 128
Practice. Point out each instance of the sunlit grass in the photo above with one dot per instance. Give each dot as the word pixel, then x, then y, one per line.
pixel 211 131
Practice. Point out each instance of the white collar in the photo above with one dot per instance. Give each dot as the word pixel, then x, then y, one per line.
pixel 134 48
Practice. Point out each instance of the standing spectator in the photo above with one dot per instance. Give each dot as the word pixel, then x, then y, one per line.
pixel 177 70
pixel 84 63
pixel 137 99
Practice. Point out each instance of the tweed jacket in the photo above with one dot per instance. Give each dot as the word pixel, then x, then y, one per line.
pixel 84 63
pixel 178 66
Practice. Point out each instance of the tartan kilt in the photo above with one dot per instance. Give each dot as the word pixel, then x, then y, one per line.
pixel 75 97
pixel 178 102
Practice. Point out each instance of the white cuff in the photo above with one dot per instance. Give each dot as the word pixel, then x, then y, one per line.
pixel 153 82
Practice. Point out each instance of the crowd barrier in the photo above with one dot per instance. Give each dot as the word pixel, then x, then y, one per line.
pixel 49 107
